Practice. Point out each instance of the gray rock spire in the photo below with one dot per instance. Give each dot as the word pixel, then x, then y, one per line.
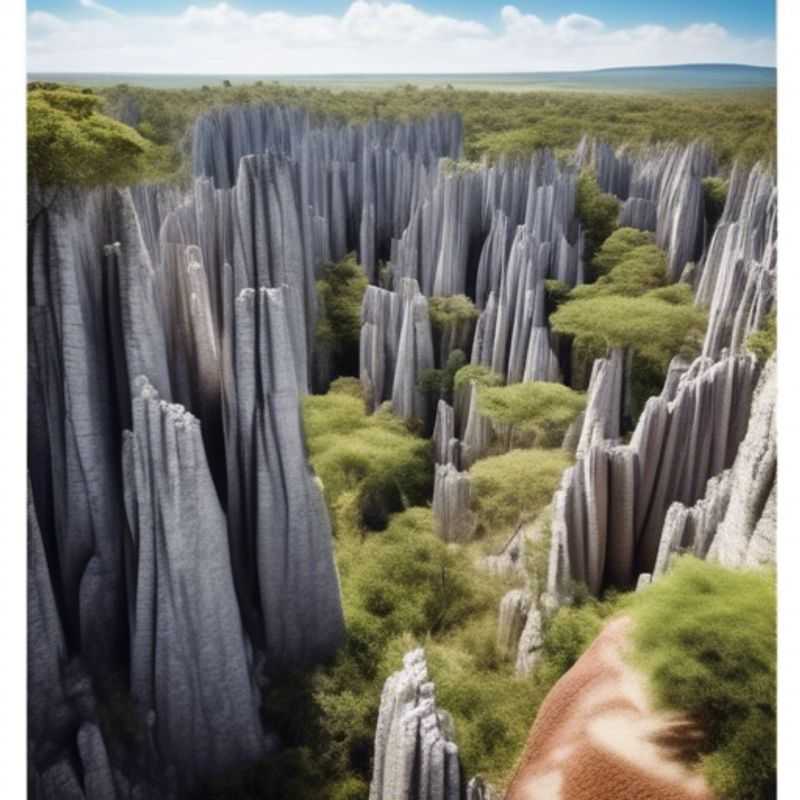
pixel 189 658
pixel 415 755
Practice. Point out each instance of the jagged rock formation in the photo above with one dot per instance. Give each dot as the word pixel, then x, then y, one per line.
pixel 453 519
pixel 530 642
pixel 661 189
pixel 396 345
pixel 735 521
pixel 279 528
pixel 415 755
pixel 597 735
pixel 446 447
pixel 610 508
pixel 199 686
pixel 511 620
pixel 738 275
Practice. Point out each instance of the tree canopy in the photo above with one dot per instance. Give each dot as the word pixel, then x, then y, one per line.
pixel 597 211
pixel 71 143
pixel 653 326
pixel 545 409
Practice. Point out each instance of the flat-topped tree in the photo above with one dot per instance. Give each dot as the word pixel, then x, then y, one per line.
pixel 537 411
pixel 618 246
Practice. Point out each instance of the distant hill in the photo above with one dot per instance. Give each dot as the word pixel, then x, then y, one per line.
pixel 673 78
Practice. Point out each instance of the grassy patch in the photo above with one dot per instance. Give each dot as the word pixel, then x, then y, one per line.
pixel 706 636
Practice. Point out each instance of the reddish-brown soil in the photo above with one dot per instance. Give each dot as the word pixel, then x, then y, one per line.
pixel 597 736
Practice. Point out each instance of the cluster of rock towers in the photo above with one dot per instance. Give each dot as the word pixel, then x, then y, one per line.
pixel 179 544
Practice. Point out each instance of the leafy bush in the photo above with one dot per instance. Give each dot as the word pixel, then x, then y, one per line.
pixel 715 192
pixel 539 408
pixel 439 382
pixel 483 376
pixel 452 310
pixel 656 328
pixel 597 211
pixel 515 483
pixel 373 458
pixel 71 143
pixel 618 246
pixel 706 636
pixel 639 270
pixel 762 343
pixel 340 290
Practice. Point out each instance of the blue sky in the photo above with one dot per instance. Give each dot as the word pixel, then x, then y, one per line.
pixel 392 36
pixel 744 17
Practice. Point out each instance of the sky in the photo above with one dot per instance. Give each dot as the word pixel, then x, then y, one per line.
pixel 374 36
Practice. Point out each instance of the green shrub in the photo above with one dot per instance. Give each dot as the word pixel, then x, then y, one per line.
pixel 640 270
pixel 71 143
pixel 538 407
pixel 654 327
pixel 619 246
pixel 483 376
pixel 374 457
pixel 715 191
pixel 555 293
pixel 598 212
pixel 439 382
pixel 449 311
pixel 706 636
pixel 515 483
pixel 341 289
pixel 762 343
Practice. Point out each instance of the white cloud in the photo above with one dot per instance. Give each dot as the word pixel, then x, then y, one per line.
pixel 370 36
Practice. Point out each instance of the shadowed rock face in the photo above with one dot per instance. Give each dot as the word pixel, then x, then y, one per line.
pixel 738 278
pixel 609 511
pixel 598 737
pixel 189 659
pixel 415 757
pixel 280 535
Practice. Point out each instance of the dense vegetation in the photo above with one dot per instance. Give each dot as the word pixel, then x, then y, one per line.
pixel 535 412
pixel 340 289
pixel 763 342
pixel 631 306
pixel 738 124
pixel 706 636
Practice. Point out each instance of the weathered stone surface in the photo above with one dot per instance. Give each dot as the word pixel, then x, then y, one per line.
pixel 746 536
pixel 445 444
pixel 530 643
pixel 738 274
pixel 396 345
pixel 189 659
pixel 603 414
pixel 453 518
pixel 511 618
pixel 415 755
pixel 279 528
pixel 609 511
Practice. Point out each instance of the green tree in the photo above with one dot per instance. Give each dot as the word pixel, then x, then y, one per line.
pixel 70 143
pixel 340 290
pixel 617 247
pixel 537 410
pixel 597 211
pixel 762 343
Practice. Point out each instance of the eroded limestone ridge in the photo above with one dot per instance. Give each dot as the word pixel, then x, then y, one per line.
pixel 415 755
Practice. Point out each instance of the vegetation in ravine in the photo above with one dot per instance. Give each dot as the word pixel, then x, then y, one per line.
pixel 631 306
pixel 520 482
pixel 706 636
pixel 340 289
pixel 534 412
pixel 762 343
pixel 598 212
